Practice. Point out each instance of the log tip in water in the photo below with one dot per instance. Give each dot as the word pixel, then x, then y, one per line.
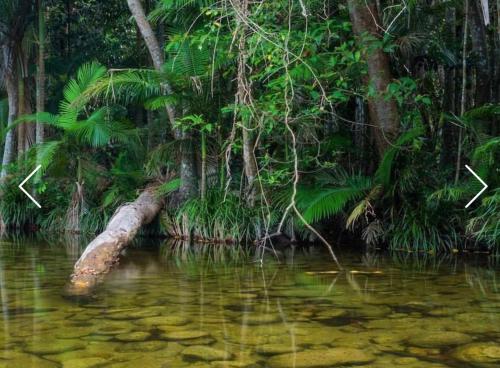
pixel 103 252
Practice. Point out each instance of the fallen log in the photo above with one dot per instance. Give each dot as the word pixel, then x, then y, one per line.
pixel 103 252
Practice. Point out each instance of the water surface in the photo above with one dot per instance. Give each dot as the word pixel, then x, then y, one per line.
pixel 158 310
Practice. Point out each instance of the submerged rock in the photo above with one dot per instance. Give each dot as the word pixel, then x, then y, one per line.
pixel 481 354
pixel 240 363
pixel 272 349
pixel 260 319
pixel 74 332
pixel 477 322
pixel 133 314
pixel 372 311
pixel 144 347
pixel 113 328
pixel 321 358
pixel 133 336
pixel 162 321
pixel 91 362
pixel 426 339
pixel 54 346
pixel 184 335
pixel 15 359
pixel 207 353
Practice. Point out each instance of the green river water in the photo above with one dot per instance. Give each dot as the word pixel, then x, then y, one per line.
pixel 159 310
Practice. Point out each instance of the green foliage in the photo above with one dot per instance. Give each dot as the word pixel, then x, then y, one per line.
pixel 304 73
pixel 218 218
pixel 168 187
pixel 384 171
pixel 318 204
pixel 485 225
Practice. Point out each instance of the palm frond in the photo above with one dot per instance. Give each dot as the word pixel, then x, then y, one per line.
pixel 319 204
pixel 133 85
pixel 88 75
pixel 187 59
pixel 168 187
pixel 98 130
pixel 47 152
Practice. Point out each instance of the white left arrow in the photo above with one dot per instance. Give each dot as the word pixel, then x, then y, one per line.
pixel 24 182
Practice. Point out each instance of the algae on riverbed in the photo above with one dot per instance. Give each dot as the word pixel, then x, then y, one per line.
pixel 157 313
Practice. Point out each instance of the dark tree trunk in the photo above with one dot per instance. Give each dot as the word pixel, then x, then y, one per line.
pixel 21 128
pixel 383 112
pixel 40 77
pixel 480 52
pixel 449 131
pixel 11 87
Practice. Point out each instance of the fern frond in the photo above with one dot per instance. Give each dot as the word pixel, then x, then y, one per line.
pixel 88 75
pixel 47 152
pixel 319 204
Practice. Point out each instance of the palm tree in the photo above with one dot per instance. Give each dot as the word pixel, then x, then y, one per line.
pixel 82 127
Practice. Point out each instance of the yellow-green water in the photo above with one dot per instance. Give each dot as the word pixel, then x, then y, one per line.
pixel 157 311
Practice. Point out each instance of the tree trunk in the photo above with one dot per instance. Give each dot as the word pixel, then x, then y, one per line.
pixel 496 65
pixel 188 173
pixel 21 128
pixel 243 100
pixel 203 185
pixel 103 252
pixel 187 167
pixel 11 86
pixel 29 129
pixel 383 112
pixel 480 51
pixel 148 35
pixel 449 131
pixel 152 44
pixel 463 100
pixel 40 80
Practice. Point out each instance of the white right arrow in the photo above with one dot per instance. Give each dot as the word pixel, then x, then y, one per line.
pixel 481 191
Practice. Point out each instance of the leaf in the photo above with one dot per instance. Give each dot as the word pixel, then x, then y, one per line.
pixel 384 171
pixel 319 204
pixel 168 187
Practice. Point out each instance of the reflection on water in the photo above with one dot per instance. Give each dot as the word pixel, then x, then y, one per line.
pixel 164 307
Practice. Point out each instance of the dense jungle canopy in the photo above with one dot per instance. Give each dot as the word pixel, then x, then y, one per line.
pixel 344 121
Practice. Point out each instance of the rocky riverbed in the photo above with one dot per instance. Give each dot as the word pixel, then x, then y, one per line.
pixel 158 314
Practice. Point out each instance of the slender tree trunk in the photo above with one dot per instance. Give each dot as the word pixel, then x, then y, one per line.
pixel 383 112
pixel 187 166
pixel 11 87
pixel 479 44
pixel 203 185
pixel 147 33
pixel 40 80
pixel 244 100
pixel 21 128
pixel 496 56
pixel 463 101
pixel 68 28
pixel 188 173
pixel 449 133
pixel 359 131
pixel 30 129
